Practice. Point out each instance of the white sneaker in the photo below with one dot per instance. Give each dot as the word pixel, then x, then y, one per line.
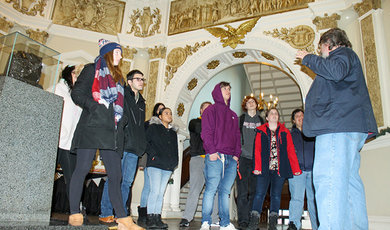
pixel 216 224
pixel 205 226
pixel 229 227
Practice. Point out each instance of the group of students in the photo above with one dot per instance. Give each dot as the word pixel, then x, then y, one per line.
pixel 106 112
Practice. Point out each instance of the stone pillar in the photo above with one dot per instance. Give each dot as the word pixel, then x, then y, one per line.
pixel 29 131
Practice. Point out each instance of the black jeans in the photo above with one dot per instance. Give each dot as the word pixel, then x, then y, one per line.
pixel 246 188
pixel 112 163
pixel 67 161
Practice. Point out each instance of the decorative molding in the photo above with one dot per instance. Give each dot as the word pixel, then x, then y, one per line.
pixel 128 53
pixel 299 37
pixel 267 56
pixel 326 22
pixel 5 25
pixel 125 67
pixel 177 57
pixel 103 16
pixel 239 54
pixel 213 64
pixel 157 52
pixel 366 5
pixel 145 23
pixel 180 109
pixel 192 84
pixel 29 7
pixel 371 67
pixel 232 36
pixel 39 36
pixel 151 87
pixel 187 15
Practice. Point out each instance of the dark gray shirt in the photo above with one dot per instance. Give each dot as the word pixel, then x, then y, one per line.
pixel 249 134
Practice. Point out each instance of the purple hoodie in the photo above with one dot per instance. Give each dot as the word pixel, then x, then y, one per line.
pixel 220 127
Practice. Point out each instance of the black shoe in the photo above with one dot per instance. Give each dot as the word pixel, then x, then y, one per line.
pixel 142 216
pixel 151 222
pixel 184 223
pixel 159 222
pixel 273 220
pixel 291 226
pixel 243 225
pixel 254 221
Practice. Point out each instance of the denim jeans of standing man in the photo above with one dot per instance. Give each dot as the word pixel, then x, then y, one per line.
pixel 298 185
pixel 220 175
pixel 129 167
pixel 340 195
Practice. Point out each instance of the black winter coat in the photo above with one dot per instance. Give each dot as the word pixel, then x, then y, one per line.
pixel 96 127
pixel 161 147
pixel 196 143
pixel 135 140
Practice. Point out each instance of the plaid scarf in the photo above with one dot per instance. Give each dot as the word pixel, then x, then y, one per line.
pixel 105 90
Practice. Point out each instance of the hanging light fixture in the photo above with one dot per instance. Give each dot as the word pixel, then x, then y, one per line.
pixel 263 104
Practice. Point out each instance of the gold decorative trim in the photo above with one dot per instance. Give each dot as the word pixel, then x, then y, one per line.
pixel 39 36
pixel 192 84
pixel 239 54
pixel 371 64
pixel 151 87
pixel 213 64
pixel 128 53
pixel 145 23
pixel 232 36
pixel 267 56
pixel 187 15
pixel 125 67
pixel 157 52
pixel 177 57
pixel 102 16
pixel 366 5
pixel 299 37
pixel 180 109
pixel 29 7
pixel 326 22
pixel 5 25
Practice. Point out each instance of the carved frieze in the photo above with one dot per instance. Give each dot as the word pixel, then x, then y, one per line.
pixel 157 52
pixel 192 84
pixel 39 36
pixel 367 5
pixel 187 15
pixel 128 53
pixel 177 57
pixel 326 22
pixel 232 36
pixel 29 7
pixel 371 64
pixel 299 37
pixel 102 16
pixel 151 87
pixel 213 64
pixel 5 25
pixel 239 54
pixel 180 109
pixel 145 23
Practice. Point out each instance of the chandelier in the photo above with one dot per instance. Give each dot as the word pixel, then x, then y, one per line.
pixel 263 103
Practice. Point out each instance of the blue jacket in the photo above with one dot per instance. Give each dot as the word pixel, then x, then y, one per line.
pixel 304 148
pixel 338 99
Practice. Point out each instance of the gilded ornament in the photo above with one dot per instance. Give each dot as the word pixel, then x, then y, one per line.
pixel 39 36
pixel 151 87
pixel 102 16
pixel 367 5
pixel 299 37
pixel 145 23
pixel 180 109
pixel 157 52
pixel 326 22
pixel 267 56
pixel 232 36
pixel 125 67
pixel 128 52
pixel 5 25
pixel 213 64
pixel 177 57
pixel 187 15
pixel 192 84
pixel 239 54
pixel 29 7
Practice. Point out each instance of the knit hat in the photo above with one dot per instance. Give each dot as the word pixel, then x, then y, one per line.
pixel 106 46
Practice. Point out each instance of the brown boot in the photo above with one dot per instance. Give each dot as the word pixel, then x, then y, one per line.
pixel 126 223
pixel 76 219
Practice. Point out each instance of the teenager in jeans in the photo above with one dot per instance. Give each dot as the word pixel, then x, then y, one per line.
pixel 221 141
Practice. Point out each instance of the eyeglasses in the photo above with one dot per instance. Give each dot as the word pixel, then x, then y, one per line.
pixel 139 79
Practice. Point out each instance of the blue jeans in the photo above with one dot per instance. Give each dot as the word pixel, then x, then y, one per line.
pixel 339 189
pixel 298 185
pixel 262 184
pixel 145 190
pixel 158 180
pixel 219 177
pixel 129 167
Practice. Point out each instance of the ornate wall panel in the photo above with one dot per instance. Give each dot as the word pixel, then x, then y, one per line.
pixel 367 5
pixel 187 15
pixel 151 88
pixel 157 52
pixel 371 64
pixel 5 25
pixel 299 37
pixel 29 7
pixel 145 23
pixel 94 15
pixel 326 21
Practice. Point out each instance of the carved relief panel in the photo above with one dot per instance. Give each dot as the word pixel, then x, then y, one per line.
pixel 145 23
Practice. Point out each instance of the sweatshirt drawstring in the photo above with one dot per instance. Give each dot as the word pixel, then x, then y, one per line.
pixel 223 164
